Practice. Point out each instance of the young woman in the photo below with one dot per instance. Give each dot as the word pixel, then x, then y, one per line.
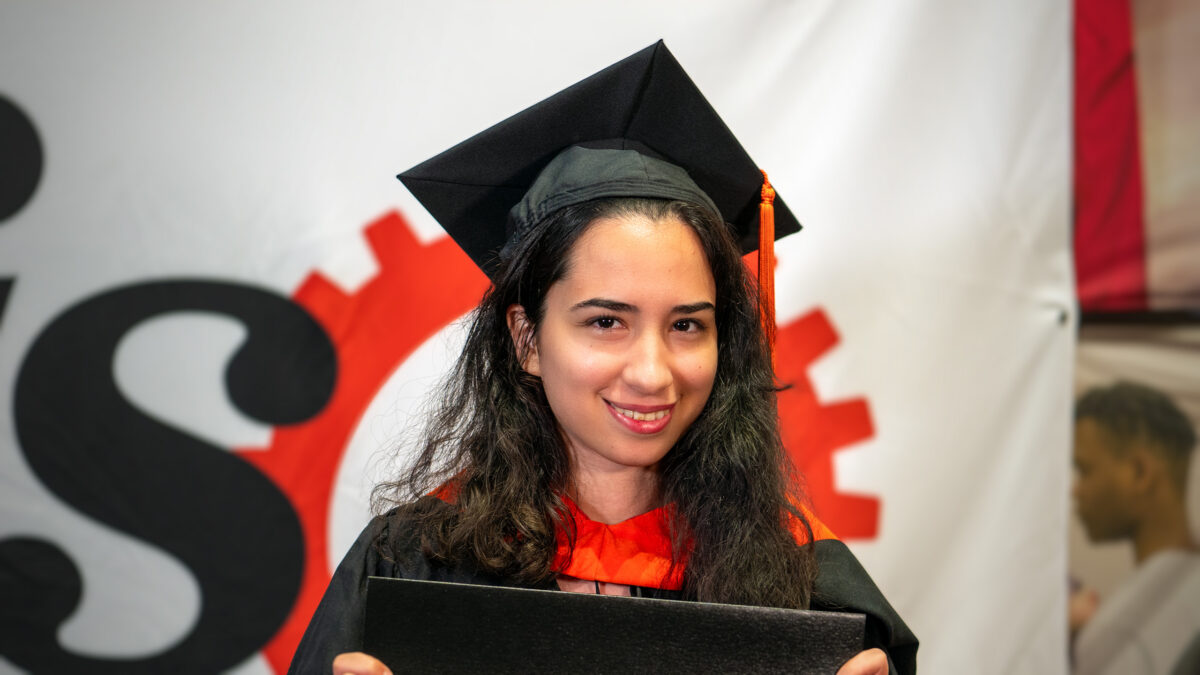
pixel 610 426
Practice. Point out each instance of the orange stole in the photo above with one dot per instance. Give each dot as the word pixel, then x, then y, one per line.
pixel 637 552
pixel 633 552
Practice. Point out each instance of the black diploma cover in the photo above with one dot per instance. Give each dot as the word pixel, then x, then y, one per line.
pixel 430 626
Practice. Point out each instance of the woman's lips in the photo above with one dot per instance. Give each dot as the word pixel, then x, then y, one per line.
pixel 642 419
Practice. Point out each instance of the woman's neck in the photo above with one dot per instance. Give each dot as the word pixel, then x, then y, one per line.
pixel 614 496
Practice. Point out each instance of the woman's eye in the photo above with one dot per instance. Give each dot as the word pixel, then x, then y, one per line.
pixel 688 326
pixel 604 322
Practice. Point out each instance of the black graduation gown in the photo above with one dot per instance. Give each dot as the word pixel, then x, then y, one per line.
pixel 337 626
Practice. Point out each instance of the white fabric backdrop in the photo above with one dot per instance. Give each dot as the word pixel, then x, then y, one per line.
pixel 924 144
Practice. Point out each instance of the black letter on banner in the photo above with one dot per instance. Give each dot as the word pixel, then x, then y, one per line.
pixel 217 514
pixel 21 160
pixel 5 289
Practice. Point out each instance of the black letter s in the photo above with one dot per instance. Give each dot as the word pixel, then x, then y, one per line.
pixel 221 517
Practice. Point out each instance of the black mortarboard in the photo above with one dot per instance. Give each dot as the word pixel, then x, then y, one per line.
pixel 496 183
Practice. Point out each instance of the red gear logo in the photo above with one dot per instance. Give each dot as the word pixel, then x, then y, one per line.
pixel 813 431
pixel 418 291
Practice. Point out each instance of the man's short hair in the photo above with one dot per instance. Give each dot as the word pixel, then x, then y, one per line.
pixel 1131 412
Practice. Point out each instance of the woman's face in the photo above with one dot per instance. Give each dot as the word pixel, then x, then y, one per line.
pixel 627 346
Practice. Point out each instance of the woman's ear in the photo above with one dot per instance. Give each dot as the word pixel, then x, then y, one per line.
pixel 521 331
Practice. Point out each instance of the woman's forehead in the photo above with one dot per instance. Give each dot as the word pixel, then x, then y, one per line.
pixel 636 255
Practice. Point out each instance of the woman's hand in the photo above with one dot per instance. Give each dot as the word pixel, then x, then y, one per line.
pixel 870 662
pixel 358 663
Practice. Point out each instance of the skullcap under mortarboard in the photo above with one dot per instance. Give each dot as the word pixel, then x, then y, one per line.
pixel 577 175
pixel 645 103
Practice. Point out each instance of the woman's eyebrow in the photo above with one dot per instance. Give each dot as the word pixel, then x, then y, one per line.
pixel 604 303
pixel 693 308
pixel 617 306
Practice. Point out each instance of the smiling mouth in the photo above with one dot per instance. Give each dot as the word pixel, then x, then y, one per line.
pixel 641 416
pixel 648 421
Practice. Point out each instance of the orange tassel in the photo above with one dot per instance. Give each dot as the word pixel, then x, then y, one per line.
pixel 766 262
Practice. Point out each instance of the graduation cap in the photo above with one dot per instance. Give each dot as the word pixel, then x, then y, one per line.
pixel 638 128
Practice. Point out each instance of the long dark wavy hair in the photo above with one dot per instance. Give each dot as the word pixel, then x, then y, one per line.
pixel 492 440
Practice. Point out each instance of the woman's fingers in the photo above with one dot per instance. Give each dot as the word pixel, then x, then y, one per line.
pixel 870 662
pixel 358 663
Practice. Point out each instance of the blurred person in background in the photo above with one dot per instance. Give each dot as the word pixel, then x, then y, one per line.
pixel 1133 447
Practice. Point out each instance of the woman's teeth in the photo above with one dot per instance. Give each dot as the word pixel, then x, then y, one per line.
pixel 641 416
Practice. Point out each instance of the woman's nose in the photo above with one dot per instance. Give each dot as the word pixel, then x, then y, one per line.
pixel 648 369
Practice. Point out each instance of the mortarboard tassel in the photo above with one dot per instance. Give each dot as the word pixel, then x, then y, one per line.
pixel 766 262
